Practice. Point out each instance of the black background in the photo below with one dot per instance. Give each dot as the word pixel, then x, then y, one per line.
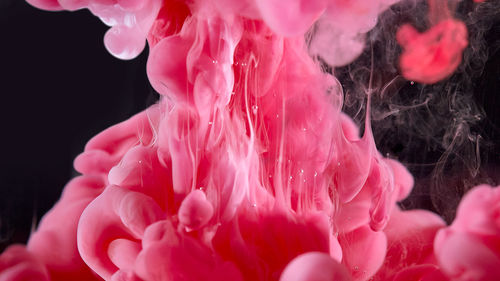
pixel 58 88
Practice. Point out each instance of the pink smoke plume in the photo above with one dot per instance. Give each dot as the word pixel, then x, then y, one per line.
pixel 247 168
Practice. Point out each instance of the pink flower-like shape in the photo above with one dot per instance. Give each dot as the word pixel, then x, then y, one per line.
pixel 433 55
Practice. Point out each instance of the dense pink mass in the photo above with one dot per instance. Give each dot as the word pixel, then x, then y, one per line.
pixel 247 169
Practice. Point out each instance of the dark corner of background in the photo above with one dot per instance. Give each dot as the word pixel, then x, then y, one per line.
pixel 59 87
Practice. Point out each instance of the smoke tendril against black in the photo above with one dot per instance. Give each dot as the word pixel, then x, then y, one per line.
pixel 444 133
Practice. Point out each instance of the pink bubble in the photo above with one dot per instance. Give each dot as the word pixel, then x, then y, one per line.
pixel 314 266
pixel 195 211
pixel 363 252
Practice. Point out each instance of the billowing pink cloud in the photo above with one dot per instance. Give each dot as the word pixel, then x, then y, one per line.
pixel 247 169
